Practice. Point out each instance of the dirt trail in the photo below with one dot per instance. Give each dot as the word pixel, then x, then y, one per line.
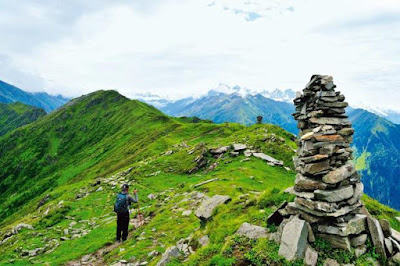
pixel 97 258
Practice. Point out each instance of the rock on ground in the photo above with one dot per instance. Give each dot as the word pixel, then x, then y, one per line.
pixel 252 231
pixel 204 241
pixel 294 239
pixel 377 236
pixel 268 158
pixel 396 258
pixel 331 262
pixel 187 212
pixel 169 254
pixel 239 147
pixel 219 150
pixel 311 257
pixel 208 206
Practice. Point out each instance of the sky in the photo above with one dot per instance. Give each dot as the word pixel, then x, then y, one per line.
pixel 177 48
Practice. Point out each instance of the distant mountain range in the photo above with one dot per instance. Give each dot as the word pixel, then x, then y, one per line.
pixel 225 104
pixel 277 95
pixel 377 140
pixel 10 94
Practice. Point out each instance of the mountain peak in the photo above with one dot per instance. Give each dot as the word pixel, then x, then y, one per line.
pixel 280 95
pixel 97 97
pixel 222 88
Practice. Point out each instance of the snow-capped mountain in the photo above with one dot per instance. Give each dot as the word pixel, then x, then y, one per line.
pixel 222 89
pixel 225 89
pixel 279 95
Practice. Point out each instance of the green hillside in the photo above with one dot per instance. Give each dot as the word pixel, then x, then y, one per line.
pixel 377 144
pixel 14 115
pixel 59 177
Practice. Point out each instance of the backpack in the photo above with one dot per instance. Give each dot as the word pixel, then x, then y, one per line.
pixel 121 205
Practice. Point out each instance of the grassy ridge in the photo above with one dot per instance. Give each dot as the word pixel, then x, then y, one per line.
pixel 77 158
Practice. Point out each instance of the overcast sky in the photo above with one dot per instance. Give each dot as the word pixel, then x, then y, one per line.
pixel 178 48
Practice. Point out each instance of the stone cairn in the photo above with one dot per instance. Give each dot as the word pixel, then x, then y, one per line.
pixel 327 187
pixel 259 119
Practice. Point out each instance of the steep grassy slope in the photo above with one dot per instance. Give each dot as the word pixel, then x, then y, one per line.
pixel 14 115
pixel 61 146
pixel 10 93
pixel 61 174
pixel 96 135
pixel 378 148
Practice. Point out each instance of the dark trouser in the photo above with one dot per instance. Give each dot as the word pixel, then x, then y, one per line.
pixel 122 225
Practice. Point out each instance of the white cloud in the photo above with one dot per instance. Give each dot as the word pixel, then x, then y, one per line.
pixel 184 47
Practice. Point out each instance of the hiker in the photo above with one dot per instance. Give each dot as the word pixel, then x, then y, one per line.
pixel 121 207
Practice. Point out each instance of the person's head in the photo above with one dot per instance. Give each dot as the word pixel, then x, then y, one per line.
pixel 125 188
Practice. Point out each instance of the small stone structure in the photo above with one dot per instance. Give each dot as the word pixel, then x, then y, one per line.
pixel 327 187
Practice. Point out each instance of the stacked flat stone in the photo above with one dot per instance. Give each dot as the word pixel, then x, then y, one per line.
pixel 327 186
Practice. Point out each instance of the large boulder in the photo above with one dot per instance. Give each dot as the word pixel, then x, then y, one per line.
pixel 294 239
pixel 377 236
pixel 252 231
pixel 207 207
